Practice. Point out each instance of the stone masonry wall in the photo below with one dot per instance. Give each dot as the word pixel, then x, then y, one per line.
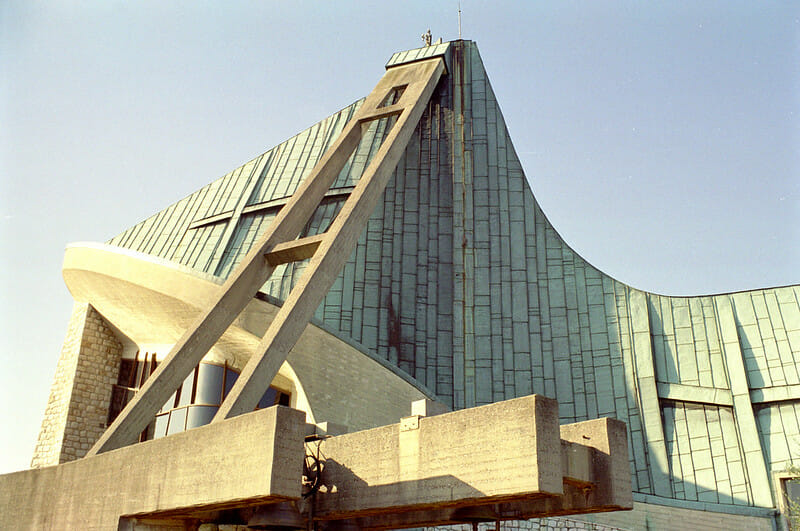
pixel 654 516
pixel 540 524
pixel 77 409
pixel 643 516
pixel 51 435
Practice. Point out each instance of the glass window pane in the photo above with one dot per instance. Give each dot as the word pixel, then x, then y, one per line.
pixel 230 379
pixel 177 421
pixel 186 391
pixel 169 404
pixel 161 426
pixel 209 384
pixel 793 492
pixel 200 416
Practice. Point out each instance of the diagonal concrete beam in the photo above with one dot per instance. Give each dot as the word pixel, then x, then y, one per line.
pixel 338 242
pixel 255 269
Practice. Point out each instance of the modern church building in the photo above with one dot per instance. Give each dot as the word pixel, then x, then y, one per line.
pixel 458 291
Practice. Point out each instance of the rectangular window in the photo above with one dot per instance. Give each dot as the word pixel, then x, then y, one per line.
pixel 393 96
pixel 790 489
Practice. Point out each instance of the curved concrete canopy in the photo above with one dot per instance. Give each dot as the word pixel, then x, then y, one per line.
pixel 154 301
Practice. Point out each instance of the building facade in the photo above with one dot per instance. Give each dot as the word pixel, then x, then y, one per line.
pixel 460 290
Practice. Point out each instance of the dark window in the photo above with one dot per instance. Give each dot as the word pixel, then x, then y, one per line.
pixel 393 96
pixel 193 404
pixel 230 379
pixel 284 399
pixel 274 397
pixel 127 372
pixel 269 398
pixel 132 375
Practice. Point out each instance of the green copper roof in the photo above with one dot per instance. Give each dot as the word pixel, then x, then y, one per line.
pixel 461 281
pixel 409 56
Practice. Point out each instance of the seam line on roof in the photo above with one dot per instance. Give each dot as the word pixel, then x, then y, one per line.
pixel 266 205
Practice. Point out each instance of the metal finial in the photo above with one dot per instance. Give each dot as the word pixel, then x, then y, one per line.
pixel 459 20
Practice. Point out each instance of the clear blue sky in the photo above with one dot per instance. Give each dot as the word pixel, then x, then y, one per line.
pixel 661 140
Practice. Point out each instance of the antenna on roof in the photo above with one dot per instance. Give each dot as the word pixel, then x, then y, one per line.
pixel 459 20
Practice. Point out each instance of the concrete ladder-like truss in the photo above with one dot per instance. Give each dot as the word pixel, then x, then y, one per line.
pixel 403 93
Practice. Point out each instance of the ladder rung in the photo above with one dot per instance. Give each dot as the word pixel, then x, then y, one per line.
pixel 382 112
pixel 294 251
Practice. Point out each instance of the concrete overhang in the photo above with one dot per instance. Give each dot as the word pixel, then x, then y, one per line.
pixel 153 301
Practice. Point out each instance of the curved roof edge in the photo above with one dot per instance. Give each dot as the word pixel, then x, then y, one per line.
pixel 261 296
pixel 646 291
pixel 152 301
pixel 358 346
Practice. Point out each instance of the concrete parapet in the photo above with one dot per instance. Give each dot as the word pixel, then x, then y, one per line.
pixel 506 460
pixel 253 459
